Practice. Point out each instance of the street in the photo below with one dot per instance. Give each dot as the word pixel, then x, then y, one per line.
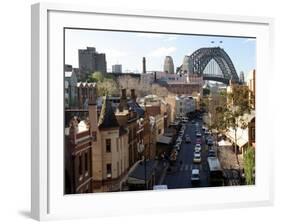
pixel 180 175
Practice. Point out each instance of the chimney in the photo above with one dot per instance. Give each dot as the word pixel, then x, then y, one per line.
pixel 123 101
pixel 123 94
pixel 133 95
pixel 143 65
pixel 93 115
pixel 92 95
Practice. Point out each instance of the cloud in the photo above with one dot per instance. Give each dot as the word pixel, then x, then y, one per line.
pixel 249 40
pixel 165 37
pixel 115 53
pixel 171 38
pixel 162 51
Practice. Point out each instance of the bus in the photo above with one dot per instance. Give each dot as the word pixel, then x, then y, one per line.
pixel 215 172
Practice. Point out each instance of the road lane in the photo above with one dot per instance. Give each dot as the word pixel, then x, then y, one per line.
pixel 180 175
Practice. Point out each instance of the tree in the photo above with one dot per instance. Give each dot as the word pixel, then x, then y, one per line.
pixel 107 87
pixel 249 165
pixel 238 105
pixel 229 114
pixel 96 77
pixel 206 91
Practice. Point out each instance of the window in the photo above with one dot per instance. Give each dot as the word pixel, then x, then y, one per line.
pixel 80 164
pixel 108 170
pixel 159 131
pixel 86 161
pixel 108 145
pixel 117 145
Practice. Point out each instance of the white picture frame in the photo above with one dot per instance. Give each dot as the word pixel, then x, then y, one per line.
pixel 48 201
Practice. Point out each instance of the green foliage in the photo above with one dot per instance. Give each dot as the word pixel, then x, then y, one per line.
pixel 239 97
pixel 249 165
pixel 109 76
pixel 206 92
pixel 107 87
pixel 230 114
pixel 204 102
pixel 96 77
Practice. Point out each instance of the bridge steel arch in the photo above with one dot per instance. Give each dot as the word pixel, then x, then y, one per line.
pixel 200 58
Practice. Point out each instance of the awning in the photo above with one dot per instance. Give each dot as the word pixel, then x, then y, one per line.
pixel 224 143
pixel 165 140
pixel 241 136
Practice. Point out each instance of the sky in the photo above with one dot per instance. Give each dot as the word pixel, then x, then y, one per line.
pixel 128 48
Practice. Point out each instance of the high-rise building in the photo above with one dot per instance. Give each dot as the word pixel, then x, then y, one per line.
pixel 90 61
pixel 185 65
pixel 117 68
pixel 169 65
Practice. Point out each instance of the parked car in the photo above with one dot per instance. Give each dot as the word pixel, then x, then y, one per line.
pixel 207 132
pixel 195 176
pixel 197 157
pixel 178 144
pixel 197 148
pixel 177 148
pixel 198 141
pixel 210 142
pixel 187 139
pixel 212 153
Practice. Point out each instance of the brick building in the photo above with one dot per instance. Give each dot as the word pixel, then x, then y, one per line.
pixel 78 152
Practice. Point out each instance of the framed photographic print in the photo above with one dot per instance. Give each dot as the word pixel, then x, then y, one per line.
pixel 148 111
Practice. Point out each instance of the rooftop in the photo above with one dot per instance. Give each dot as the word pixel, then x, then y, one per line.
pixel 107 117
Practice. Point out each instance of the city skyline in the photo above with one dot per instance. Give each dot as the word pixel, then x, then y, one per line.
pixel 128 48
pixel 160 130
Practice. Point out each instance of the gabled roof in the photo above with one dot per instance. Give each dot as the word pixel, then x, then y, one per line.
pixel 107 117
pixel 136 108
pixel 86 84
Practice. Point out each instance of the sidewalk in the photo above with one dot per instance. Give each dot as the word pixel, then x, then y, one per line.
pixel 229 164
pixel 160 171
pixel 228 159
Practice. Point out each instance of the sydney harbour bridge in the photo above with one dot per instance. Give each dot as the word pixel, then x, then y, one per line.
pixel 213 63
